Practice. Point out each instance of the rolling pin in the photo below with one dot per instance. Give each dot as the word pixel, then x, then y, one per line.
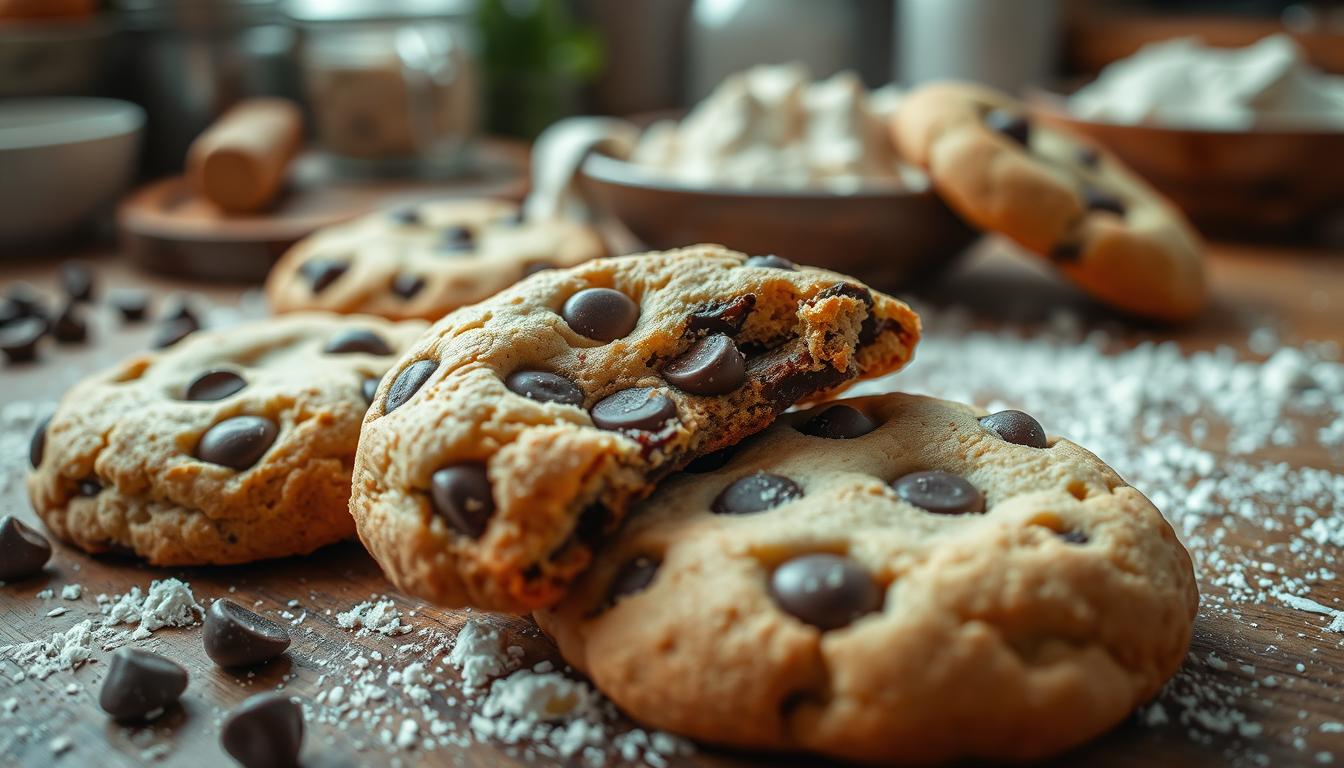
pixel 239 162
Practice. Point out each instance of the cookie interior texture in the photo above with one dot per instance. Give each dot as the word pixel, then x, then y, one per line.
pixel 424 260
pixel 1096 221
pixel 517 431
pixel 898 581
pixel 231 446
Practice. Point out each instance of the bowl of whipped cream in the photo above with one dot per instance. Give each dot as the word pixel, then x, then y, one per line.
pixel 773 162
pixel 1246 140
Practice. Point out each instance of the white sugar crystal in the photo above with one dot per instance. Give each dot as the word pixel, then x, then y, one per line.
pixel 479 654
pixel 381 617
pixel 71 591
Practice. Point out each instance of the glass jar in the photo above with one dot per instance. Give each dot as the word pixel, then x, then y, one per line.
pixel 393 86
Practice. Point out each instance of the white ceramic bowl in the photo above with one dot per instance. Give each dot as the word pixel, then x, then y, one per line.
pixel 61 161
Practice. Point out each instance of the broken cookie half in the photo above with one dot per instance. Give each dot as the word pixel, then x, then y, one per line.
pixel 518 431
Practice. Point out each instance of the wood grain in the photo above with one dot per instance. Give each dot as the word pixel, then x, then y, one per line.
pixel 1302 289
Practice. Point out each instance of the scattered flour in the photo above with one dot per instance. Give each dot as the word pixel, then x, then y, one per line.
pixel 479 654
pixel 62 651
pixel 169 603
pixel 381 617
pixel 72 591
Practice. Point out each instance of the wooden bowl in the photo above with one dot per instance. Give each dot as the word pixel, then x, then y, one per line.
pixel 1258 181
pixel 887 238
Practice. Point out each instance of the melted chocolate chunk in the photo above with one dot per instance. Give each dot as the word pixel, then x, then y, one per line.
pixel 545 387
pixel 408 382
pixel 132 305
pixel 638 408
pixel 214 385
pixel 23 551
pixel 602 314
pixel 237 443
pixel 725 317
pixel 139 683
pixel 710 461
pixel 89 487
pixel 357 341
pixel 321 273
pixel 173 331
pixel 1016 427
pixel 939 492
pixel 266 731
pixel 456 240
pixel 1074 536
pixel 369 388
pixel 1098 199
pixel 755 493
pixel 839 422
pixel 237 637
pixel 712 366
pixel 461 495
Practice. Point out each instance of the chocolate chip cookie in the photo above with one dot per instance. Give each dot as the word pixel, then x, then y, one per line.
pixel 231 446
pixel 518 430
pixel 425 260
pixel 892 579
pixel 1093 219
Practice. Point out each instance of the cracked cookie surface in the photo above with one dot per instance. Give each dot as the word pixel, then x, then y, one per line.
pixel 517 431
pixel 231 446
pixel 425 260
pixel 1069 202
pixel 891 579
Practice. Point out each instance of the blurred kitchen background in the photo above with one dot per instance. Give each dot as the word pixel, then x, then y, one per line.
pixel 439 90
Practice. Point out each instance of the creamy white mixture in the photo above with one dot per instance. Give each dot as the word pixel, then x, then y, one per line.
pixel 773 127
pixel 1182 82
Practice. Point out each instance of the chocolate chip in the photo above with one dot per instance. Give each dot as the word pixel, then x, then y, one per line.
pixel 89 487
pixel 26 298
pixel 173 331
pixel 237 637
pixel 69 327
pixel 214 385
pixel 641 408
pixel 180 309
pixel 37 447
pixel 722 317
pixel 23 551
pixel 406 216
pixel 1016 427
pixel 139 682
pixel 132 305
pixel 1074 536
pixel 601 313
pixel 544 387
pixel 755 493
pixel 839 422
pixel 1066 253
pixel 939 492
pixel 407 286
pixel 1098 199
pixel 10 311
pixel 461 495
pixel 1089 157
pixel 772 261
pixel 710 461
pixel 77 281
pixel 266 731
pixel 369 388
pixel 634 576
pixel 322 272
pixel 407 383
pixel 357 341
pixel 824 590
pixel 237 443
pixel 712 366
pixel 1011 124
pixel 19 339
pixel 457 239
pixel 535 267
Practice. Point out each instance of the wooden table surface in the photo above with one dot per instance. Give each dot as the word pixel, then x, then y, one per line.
pixel 1302 288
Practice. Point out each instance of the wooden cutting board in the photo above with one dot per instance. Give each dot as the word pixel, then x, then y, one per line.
pixel 165 227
